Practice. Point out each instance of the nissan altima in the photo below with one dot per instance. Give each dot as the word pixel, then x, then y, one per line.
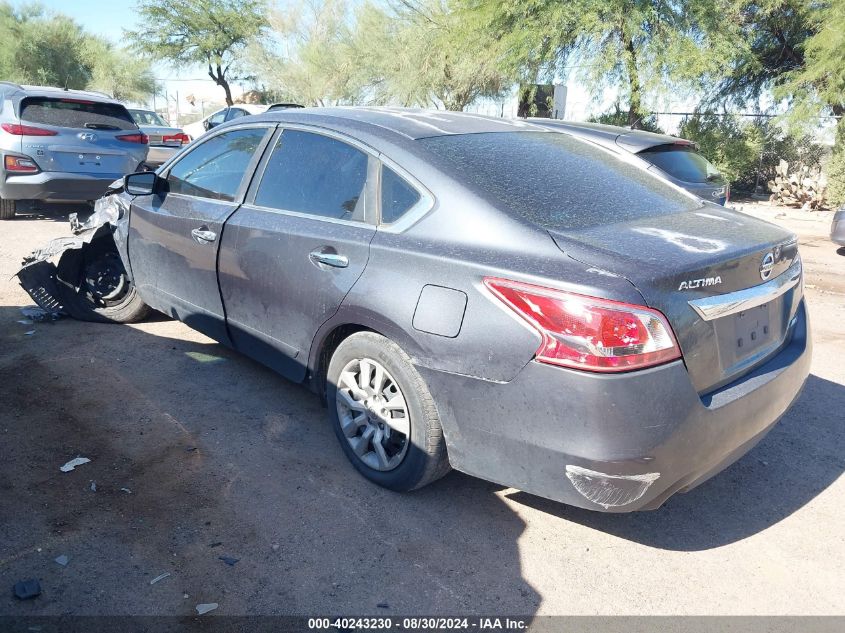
pixel 508 300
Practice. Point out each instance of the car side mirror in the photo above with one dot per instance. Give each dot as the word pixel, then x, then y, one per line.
pixel 207 124
pixel 143 183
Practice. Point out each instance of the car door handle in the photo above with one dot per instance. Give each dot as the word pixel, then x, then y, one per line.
pixel 329 259
pixel 203 235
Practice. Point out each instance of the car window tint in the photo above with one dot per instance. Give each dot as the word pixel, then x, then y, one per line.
pixel 217 117
pixel 76 113
pixel 682 163
pixel 314 174
pixel 555 180
pixel 397 196
pixel 216 168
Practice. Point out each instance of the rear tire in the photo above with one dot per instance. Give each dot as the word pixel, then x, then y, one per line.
pixel 92 285
pixel 8 208
pixel 399 414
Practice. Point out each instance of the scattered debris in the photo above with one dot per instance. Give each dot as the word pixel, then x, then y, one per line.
pixel 27 589
pixel 26 322
pixel 30 333
pixel 383 605
pixel 202 609
pixel 76 461
pixel 190 449
pixel 229 560
pixel 93 486
pixel 215 544
pixel 126 490
pixel 40 315
pixel 275 547
pixel 161 577
pixel 62 560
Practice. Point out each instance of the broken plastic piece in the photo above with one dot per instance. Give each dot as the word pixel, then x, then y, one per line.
pixel 126 490
pixel 205 608
pixel 161 577
pixel 76 461
pixel 27 589
pixel 30 333
pixel 93 486
pixel 62 560
pixel 229 560
pixel 39 314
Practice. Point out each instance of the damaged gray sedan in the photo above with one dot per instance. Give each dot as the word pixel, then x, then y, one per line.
pixel 493 296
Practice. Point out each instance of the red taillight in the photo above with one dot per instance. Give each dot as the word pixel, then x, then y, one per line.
pixel 19 164
pixel 26 130
pixel 134 138
pixel 589 333
pixel 183 139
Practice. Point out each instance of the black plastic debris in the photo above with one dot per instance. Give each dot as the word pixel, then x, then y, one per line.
pixel 215 544
pixel 27 589
pixel 229 560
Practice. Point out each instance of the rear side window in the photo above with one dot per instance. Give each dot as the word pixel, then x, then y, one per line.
pixel 683 163
pixel 314 174
pixel 216 168
pixel 76 113
pixel 554 180
pixel 397 196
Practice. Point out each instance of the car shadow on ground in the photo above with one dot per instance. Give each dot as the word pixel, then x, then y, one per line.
pixel 792 465
pixel 198 452
pixel 52 211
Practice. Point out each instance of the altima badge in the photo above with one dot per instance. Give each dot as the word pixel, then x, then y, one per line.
pixel 700 283
pixel 767 266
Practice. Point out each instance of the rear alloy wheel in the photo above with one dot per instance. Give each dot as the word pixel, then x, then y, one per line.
pixel 8 208
pixel 383 414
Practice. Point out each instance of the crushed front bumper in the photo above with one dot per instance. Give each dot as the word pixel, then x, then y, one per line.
pixel 613 443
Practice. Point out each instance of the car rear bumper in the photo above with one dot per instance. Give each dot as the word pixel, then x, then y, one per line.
pixel 837 228
pixel 158 155
pixel 613 443
pixel 56 186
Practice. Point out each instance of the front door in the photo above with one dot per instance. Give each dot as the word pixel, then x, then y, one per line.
pixel 295 248
pixel 174 235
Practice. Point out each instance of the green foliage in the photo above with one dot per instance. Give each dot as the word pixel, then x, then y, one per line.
pixel 835 169
pixel 636 46
pixel 49 49
pixel 617 116
pixel 747 151
pixel 208 32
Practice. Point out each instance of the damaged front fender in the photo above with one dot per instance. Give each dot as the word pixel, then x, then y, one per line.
pixel 49 283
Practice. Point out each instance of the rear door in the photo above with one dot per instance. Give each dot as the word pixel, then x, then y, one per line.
pixel 174 236
pixel 81 136
pixel 295 248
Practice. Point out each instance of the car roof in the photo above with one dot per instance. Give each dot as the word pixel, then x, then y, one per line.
pixel 25 90
pixel 410 123
pixel 612 136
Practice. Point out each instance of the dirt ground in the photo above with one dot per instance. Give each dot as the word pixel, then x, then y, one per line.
pixel 198 453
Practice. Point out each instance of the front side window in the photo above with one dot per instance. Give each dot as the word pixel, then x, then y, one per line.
pixel 216 168
pixel 397 196
pixel 314 174
pixel 217 118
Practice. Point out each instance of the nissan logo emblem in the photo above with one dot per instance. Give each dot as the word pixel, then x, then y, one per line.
pixel 767 266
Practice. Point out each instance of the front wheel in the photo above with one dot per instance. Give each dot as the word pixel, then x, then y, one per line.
pixel 93 286
pixel 384 415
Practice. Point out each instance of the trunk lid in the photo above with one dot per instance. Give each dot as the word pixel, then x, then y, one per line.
pixel 686 257
pixel 158 133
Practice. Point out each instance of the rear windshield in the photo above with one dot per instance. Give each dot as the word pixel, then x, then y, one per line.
pixel 147 117
pixel 683 163
pixel 554 180
pixel 76 113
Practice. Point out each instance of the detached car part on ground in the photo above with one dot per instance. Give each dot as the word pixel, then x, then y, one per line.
pixel 488 295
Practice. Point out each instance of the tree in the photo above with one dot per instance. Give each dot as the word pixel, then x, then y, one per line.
pixel 209 32
pixel 636 46
pixel 37 47
pixel 309 58
pixel 422 52
pixel 118 72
